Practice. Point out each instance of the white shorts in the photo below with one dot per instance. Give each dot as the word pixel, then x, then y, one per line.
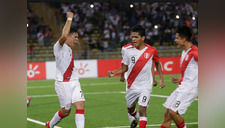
pixel 180 101
pixel 68 93
pixel 141 97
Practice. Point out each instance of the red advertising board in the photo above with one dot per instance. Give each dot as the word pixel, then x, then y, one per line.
pixel 170 65
pixel 36 71
pixel 106 65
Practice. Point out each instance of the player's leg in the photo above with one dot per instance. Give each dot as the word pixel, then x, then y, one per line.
pixel 177 118
pixel 64 95
pixel 79 103
pixel 143 117
pixel 133 112
pixel 177 104
pixel 167 120
pixel 143 102
pixel 166 123
pixel 59 115
pixel 79 116
pixel 133 115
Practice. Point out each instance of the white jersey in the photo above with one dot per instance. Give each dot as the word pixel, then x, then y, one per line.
pixel 124 48
pixel 139 75
pixel 65 70
pixel 189 70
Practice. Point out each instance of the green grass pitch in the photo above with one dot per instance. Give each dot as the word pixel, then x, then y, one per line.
pixel 105 104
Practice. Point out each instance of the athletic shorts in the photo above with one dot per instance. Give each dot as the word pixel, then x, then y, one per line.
pixel 141 97
pixel 68 93
pixel 180 101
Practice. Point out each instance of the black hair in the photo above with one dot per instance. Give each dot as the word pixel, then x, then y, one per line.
pixel 184 32
pixel 73 30
pixel 138 28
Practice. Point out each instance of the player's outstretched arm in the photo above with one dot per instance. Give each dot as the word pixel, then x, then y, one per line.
pixel 122 75
pixel 159 69
pixel 66 28
pixel 118 71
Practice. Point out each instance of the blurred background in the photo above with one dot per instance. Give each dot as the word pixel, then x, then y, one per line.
pixel 104 27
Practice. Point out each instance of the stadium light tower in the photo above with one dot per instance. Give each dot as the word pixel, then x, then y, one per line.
pixel 177 16
pixel 92 5
pixel 156 26
pixel 131 5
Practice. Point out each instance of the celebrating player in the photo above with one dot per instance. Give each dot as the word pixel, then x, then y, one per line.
pixel 133 121
pixel 67 84
pixel 137 62
pixel 187 90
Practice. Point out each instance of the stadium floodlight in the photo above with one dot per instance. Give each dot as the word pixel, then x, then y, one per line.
pixel 131 5
pixel 92 5
pixel 193 18
pixel 177 16
pixel 156 26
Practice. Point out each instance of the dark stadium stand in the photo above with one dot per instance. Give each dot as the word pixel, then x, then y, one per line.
pixel 86 50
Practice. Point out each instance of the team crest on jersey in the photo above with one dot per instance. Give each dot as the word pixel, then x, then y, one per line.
pixel 146 55
pixel 186 58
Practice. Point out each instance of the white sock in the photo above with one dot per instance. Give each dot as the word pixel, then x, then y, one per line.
pixel 184 126
pixel 131 118
pixel 55 120
pixel 143 118
pixel 137 115
pixel 79 119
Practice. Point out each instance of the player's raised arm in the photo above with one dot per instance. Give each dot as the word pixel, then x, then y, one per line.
pixel 66 28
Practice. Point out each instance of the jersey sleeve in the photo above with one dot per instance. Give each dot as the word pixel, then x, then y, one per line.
pixel 57 47
pixel 125 58
pixel 155 56
pixel 195 54
pixel 122 51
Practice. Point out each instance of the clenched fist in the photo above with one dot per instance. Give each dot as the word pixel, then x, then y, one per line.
pixel 69 14
pixel 175 79
pixel 110 74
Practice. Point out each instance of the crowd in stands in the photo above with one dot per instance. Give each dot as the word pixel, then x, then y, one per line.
pixel 112 21
pixel 37 30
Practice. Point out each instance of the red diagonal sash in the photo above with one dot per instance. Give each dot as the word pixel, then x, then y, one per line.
pixel 139 65
pixel 68 73
pixel 185 63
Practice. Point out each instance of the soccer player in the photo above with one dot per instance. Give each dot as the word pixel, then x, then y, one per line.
pixel 67 84
pixel 127 46
pixel 137 62
pixel 132 120
pixel 187 89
